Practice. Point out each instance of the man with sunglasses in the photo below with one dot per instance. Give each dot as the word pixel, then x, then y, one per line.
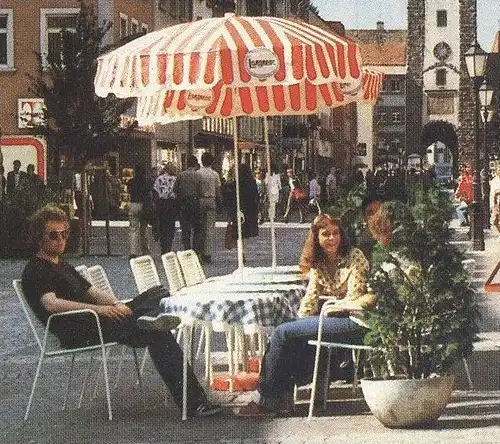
pixel 51 285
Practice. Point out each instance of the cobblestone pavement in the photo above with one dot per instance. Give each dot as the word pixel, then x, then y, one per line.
pixel 150 417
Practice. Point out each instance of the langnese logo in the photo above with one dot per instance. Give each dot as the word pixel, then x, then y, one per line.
pixel 199 99
pixel 261 63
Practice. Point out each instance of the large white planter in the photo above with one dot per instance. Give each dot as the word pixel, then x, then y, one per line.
pixel 407 402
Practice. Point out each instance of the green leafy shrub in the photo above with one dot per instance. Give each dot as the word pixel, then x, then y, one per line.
pixel 425 317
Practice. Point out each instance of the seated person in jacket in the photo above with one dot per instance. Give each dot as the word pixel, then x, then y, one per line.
pixel 335 271
pixel 51 285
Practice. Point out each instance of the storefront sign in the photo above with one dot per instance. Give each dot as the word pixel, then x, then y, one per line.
pixel 30 113
pixel 261 63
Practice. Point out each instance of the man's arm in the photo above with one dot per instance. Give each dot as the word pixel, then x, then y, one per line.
pixel 103 304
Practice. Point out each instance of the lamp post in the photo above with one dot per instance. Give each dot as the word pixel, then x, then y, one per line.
pixel 475 59
pixel 485 97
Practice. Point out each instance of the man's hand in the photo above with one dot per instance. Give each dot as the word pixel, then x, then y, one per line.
pixel 118 311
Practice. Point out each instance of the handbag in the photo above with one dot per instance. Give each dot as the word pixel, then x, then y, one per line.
pixel 230 236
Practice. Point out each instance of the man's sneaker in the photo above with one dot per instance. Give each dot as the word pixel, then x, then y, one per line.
pixel 206 410
pixel 162 322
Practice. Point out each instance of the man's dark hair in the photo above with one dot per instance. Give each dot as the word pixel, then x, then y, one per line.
pixel 207 159
pixel 191 161
pixel 39 219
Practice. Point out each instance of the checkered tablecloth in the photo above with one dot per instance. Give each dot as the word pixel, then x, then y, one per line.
pixel 264 308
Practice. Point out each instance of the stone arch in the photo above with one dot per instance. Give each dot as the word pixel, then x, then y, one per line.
pixel 441 131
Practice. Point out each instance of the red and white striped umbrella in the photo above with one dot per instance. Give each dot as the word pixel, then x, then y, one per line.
pixel 232 50
pixel 223 101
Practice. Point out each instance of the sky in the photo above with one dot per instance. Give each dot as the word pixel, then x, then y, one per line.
pixel 364 14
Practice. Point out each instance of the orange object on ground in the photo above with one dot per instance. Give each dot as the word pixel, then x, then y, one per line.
pixel 242 382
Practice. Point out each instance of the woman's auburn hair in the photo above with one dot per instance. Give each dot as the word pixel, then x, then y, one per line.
pixel 312 254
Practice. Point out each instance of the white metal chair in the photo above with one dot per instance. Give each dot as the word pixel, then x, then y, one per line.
pixel 356 350
pixel 97 276
pixel 145 273
pixel 83 271
pixel 187 273
pixel 42 337
pixel 191 267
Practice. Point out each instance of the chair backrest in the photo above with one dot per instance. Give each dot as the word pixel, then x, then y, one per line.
pixel 83 271
pixel 36 326
pixel 173 271
pixel 145 273
pixel 191 267
pixel 99 279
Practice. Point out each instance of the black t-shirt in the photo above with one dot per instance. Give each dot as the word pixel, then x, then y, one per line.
pixel 41 277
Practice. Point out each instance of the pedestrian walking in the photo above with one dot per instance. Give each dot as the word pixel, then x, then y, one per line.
pixel 210 195
pixel 166 206
pixel 138 212
pixel 188 191
pixel 273 187
pixel 296 197
pixel 464 194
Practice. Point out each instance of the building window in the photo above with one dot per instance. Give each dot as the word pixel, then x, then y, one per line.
pixel 6 39
pixel 440 77
pixel 52 22
pixel 383 88
pixel 134 26
pixel 381 117
pixel 395 85
pixel 442 18
pixel 123 26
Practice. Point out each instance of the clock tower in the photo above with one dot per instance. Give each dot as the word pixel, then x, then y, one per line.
pixel 438 88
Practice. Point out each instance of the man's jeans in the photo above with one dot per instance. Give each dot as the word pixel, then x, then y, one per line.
pixel 289 359
pixel 462 213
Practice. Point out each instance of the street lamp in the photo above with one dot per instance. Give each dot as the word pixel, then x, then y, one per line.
pixel 475 59
pixel 485 97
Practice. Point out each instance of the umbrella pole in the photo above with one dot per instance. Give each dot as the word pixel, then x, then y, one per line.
pixel 238 202
pixel 270 212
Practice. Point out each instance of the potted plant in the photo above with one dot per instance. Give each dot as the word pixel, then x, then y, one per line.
pixel 425 317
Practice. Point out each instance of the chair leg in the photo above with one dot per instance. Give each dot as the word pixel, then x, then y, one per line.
pixel 314 381
pixel 106 380
pixel 68 383
pixel 138 369
pixel 355 357
pixel 37 374
pixel 186 353
pixel 143 363
pixel 85 380
pixel 467 372
pixel 326 384
pixel 120 365
pixel 208 357
pixel 200 343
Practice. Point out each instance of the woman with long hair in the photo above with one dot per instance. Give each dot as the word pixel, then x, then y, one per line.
pixel 335 270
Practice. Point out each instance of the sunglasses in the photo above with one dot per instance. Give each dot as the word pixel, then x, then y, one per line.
pixel 58 234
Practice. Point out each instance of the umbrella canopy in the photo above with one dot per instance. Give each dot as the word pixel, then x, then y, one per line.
pixel 231 50
pixel 223 101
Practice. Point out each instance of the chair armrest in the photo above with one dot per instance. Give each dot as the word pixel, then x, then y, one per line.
pixel 72 313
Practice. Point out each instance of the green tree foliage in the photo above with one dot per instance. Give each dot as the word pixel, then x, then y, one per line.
pixel 425 318
pixel 77 121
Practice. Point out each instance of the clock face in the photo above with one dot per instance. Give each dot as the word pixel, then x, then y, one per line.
pixel 442 51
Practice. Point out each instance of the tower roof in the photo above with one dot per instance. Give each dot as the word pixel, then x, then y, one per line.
pixel 381 47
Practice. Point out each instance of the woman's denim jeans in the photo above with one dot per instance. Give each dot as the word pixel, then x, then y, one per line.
pixel 289 359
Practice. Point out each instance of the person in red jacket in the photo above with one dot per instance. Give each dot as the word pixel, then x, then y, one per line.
pixel 464 194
